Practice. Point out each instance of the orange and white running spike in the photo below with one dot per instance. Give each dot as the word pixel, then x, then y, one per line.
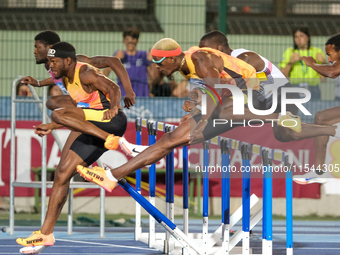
pixel 130 149
pixel 98 176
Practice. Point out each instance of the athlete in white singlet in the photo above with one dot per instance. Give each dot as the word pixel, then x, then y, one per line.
pixel 270 76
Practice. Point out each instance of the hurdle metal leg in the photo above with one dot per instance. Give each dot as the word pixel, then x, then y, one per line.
pixel 138 225
pixel 205 195
pixel 225 152
pixel 267 224
pixel 152 185
pixel 289 205
pixel 185 190
pixel 185 193
pixel 169 195
pixel 246 198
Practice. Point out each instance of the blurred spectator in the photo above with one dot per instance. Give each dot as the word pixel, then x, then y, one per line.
pixel 54 90
pixel 135 62
pixel 295 69
pixel 23 90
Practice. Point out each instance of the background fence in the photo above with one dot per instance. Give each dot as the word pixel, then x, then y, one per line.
pixel 95 28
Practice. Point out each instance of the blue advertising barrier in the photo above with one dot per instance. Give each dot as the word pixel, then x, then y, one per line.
pixel 167 109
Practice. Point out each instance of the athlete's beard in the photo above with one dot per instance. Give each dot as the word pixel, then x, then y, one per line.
pixel 41 61
pixel 62 72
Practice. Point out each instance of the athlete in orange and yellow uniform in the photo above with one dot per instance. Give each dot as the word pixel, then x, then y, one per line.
pixel 235 72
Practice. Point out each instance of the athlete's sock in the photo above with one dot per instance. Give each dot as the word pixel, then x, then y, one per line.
pixel 110 176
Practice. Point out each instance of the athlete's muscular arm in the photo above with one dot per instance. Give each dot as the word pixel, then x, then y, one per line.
pixel 253 59
pixel 120 55
pixel 45 129
pixel 331 71
pixel 116 65
pixel 83 58
pixel 100 61
pixel 34 82
pixel 92 78
pixel 208 67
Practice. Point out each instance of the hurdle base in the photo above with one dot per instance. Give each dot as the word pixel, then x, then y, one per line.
pixel 158 244
pixel 214 239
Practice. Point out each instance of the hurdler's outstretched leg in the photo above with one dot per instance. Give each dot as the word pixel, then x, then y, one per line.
pixel 326 117
pixel 289 133
pixel 308 130
pixel 74 119
pixel 169 141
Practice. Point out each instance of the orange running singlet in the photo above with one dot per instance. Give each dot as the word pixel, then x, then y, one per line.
pixel 95 100
pixel 235 72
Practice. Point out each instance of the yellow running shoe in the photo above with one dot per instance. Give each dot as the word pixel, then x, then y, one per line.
pixel 37 239
pixel 112 142
pixel 290 121
pixel 98 176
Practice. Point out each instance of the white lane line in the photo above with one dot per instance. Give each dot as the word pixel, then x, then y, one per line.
pixel 315 248
pixel 107 244
pixel 61 246
pixel 63 253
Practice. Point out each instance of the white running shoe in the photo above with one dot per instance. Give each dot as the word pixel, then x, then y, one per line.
pixel 310 177
pixel 33 249
pixel 131 149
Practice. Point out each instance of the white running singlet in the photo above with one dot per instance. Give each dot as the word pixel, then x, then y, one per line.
pixel 270 77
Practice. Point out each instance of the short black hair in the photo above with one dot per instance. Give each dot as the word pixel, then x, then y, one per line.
pixel 334 40
pixel 131 31
pixel 217 37
pixel 18 85
pixel 47 37
pixel 66 48
pixel 304 30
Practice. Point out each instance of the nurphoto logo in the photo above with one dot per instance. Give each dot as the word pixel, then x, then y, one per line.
pixel 239 102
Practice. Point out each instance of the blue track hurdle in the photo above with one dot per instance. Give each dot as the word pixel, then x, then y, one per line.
pixel 138 226
pixel 206 243
pixel 185 190
pixel 152 185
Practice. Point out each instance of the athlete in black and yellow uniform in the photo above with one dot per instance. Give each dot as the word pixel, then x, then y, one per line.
pixel 94 105
pixel 96 124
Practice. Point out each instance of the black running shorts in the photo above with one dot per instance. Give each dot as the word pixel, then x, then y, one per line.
pixel 89 147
